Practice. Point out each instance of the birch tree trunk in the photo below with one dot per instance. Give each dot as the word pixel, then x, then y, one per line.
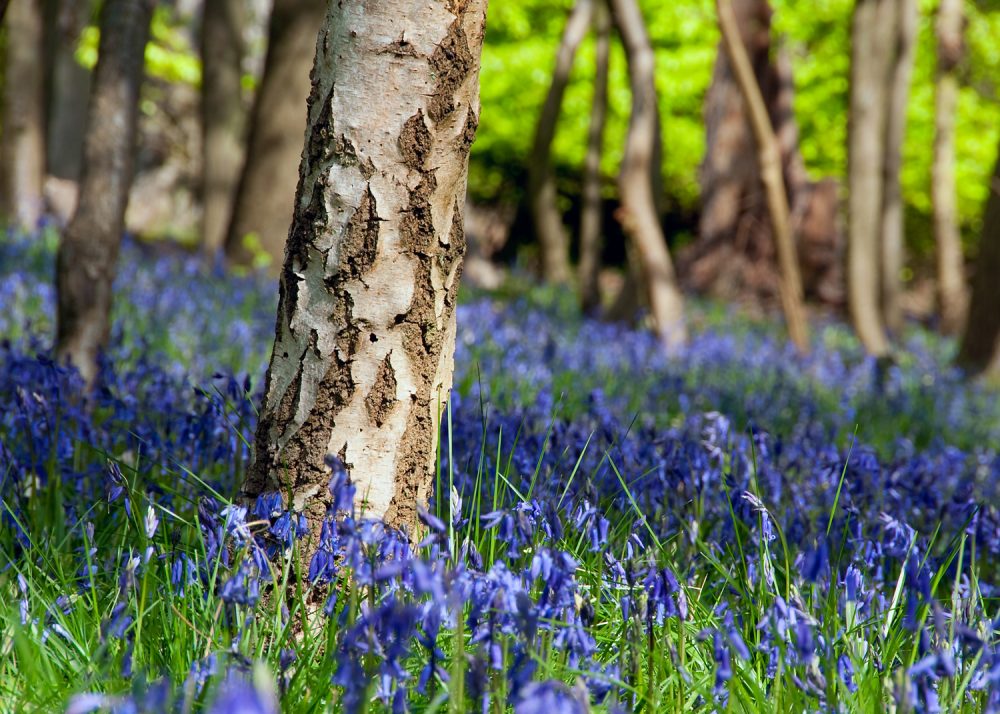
pixel 264 201
pixel 900 71
pixel 364 344
pixel 769 160
pixel 871 33
pixel 22 138
pixel 980 349
pixel 591 213
pixel 88 252
pixel 951 292
pixel 639 217
pixel 542 193
pixel 222 116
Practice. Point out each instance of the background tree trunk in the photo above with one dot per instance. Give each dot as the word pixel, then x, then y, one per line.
pixel 871 33
pixel 900 71
pixel 265 198
pixel 68 87
pixel 591 213
pixel 542 191
pixel 951 290
pixel 22 141
pixel 769 156
pixel 88 253
pixel 364 346
pixel 639 215
pixel 980 349
pixel 223 116
pixel 734 256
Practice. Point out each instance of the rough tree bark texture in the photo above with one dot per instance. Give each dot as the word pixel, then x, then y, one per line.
pixel 951 291
pixel 871 34
pixel 222 116
pixel 68 87
pixel 364 344
pixel 88 252
pixel 639 215
pixel 735 256
pixel 980 349
pixel 542 193
pixel 900 71
pixel 22 138
pixel 769 160
pixel 591 212
pixel 265 200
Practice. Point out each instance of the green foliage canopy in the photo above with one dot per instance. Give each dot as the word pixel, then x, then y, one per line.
pixel 521 41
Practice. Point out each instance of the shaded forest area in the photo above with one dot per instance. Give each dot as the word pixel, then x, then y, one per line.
pixel 222 113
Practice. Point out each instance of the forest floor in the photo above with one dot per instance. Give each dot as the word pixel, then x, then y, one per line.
pixel 731 528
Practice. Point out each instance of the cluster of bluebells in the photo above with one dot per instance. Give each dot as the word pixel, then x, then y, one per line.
pixel 605 507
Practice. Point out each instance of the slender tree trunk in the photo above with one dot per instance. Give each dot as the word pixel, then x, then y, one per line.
pixel 592 211
pixel 870 34
pixel 897 96
pixel 222 116
pixel 88 253
pixel 769 159
pixel 951 292
pixel 980 349
pixel 68 87
pixel 363 353
pixel 265 197
pixel 3 8
pixel 543 196
pixel 640 219
pixel 22 141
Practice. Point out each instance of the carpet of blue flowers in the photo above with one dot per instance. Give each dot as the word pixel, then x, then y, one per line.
pixel 732 528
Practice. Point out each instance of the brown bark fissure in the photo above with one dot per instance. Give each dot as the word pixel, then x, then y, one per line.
pixel 364 334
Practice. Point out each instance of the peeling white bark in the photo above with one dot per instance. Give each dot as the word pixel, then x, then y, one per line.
pixel 366 326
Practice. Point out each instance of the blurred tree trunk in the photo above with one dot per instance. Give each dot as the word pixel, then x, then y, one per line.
pixel 951 290
pixel 22 141
pixel 68 87
pixel 735 256
pixel 592 212
pixel 542 192
pixel 900 71
pixel 363 354
pixel 3 9
pixel 263 207
pixel 639 215
pixel 871 37
pixel 222 116
pixel 88 252
pixel 769 157
pixel 980 349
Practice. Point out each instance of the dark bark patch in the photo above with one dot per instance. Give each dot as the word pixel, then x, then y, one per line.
pixel 382 397
pixel 367 168
pixel 417 225
pixel 359 245
pixel 469 131
pixel 345 151
pixel 401 47
pixel 452 62
pixel 415 142
pixel 321 143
